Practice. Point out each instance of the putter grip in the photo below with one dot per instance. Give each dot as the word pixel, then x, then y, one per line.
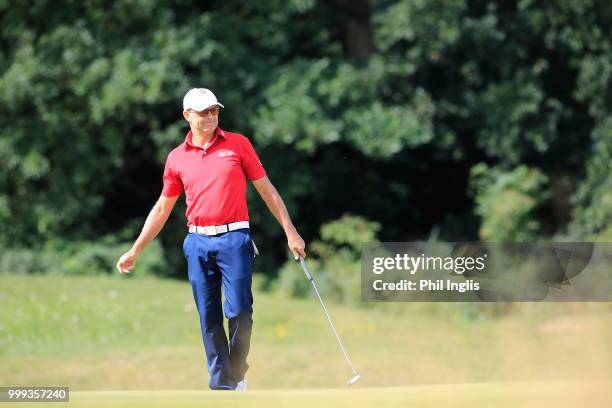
pixel 305 268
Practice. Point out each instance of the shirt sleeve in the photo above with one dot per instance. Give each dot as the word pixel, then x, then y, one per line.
pixel 251 164
pixel 173 185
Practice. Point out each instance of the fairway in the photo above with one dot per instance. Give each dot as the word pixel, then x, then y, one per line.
pixel 128 342
pixel 552 394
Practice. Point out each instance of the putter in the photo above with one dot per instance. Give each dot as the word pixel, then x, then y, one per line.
pixel 356 375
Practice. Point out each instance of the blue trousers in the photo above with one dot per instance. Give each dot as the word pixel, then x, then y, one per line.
pixel 215 262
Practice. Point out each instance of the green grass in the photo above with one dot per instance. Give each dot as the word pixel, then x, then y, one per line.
pixel 113 333
pixel 555 394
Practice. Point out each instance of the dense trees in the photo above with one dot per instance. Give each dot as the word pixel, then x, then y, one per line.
pixel 427 117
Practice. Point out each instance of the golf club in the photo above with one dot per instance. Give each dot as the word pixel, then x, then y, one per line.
pixel 356 375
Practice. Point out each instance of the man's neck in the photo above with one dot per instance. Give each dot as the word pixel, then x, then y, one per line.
pixel 202 139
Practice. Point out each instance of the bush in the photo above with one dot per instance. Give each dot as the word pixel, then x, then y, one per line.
pixel 593 211
pixel 81 258
pixel 23 260
pixel 96 258
pixel 334 262
pixel 507 202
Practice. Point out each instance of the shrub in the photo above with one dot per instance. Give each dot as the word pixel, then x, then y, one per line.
pixel 507 202
pixel 593 210
pixel 334 261
pixel 81 258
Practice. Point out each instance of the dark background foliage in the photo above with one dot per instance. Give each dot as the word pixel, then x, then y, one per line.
pixel 442 119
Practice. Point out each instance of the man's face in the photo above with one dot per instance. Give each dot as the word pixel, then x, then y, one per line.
pixel 204 121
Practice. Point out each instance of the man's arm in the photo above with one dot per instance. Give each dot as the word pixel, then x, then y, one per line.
pixel 276 205
pixel 153 225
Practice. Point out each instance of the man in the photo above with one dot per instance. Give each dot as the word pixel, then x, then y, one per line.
pixel 211 166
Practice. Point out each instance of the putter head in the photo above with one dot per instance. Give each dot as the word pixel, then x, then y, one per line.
pixel 353 380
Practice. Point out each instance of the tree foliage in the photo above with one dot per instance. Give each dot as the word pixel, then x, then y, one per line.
pixel 376 108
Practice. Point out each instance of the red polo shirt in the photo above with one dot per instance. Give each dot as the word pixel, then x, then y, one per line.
pixel 214 179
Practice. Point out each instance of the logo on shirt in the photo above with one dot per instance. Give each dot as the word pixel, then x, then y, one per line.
pixel 226 153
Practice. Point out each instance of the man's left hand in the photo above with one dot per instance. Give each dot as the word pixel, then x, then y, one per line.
pixel 296 245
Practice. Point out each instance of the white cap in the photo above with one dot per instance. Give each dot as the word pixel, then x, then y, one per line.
pixel 199 99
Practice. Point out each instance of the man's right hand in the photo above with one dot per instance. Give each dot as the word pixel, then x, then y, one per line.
pixel 127 261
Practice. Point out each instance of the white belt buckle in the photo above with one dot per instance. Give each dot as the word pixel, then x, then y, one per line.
pixel 210 230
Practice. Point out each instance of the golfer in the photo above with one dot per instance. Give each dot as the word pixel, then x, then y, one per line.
pixel 212 166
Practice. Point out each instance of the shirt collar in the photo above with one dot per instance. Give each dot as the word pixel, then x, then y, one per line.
pixel 218 132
